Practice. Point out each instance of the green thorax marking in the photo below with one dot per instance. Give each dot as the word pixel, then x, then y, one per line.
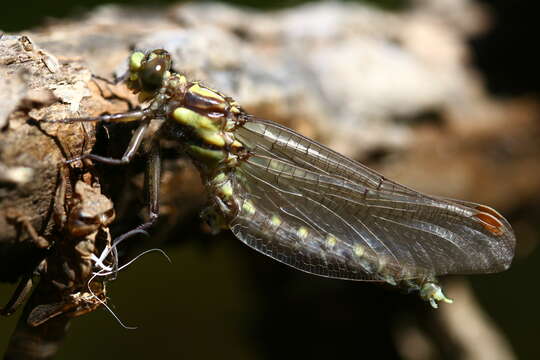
pixel 204 127
pixel 208 158
pixel 203 99
pixel 206 112
pixel 208 119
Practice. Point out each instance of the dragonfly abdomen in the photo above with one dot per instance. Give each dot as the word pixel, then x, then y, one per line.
pixel 283 236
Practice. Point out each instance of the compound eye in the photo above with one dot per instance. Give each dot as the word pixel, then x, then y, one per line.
pixel 110 214
pixel 154 69
pixel 82 218
pixel 107 217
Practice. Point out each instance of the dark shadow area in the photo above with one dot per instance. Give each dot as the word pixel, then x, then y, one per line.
pixel 507 54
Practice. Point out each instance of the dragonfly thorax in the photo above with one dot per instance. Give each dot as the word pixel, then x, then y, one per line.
pixel 203 120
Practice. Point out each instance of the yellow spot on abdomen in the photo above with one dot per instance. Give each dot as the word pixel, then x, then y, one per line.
pixel 302 233
pixel 275 221
pixel 382 264
pixel 331 241
pixel 359 250
pixel 226 190
pixel 248 207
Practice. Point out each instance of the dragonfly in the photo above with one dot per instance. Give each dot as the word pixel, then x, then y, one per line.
pixel 296 200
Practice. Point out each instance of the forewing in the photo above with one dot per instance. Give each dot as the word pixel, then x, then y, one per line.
pixel 42 313
pixel 312 208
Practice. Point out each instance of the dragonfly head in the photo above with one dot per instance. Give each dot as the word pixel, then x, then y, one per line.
pixel 89 212
pixel 148 70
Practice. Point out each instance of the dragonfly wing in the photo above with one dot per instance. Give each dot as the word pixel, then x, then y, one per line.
pixel 42 313
pixel 318 211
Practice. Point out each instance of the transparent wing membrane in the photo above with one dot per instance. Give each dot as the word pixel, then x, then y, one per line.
pixel 298 201
pixel 313 209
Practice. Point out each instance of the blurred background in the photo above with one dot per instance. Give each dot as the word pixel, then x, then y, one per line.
pixel 439 95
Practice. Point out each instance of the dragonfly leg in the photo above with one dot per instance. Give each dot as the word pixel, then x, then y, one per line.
pixel 129 116
pixel 115 81
pixel 24 221
pixel 60 211
pixel 24 287
pixel 131 150
pixel 40 241
pixel 153 180
pixel 152 183
pixel 21 293
pixel 112 95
